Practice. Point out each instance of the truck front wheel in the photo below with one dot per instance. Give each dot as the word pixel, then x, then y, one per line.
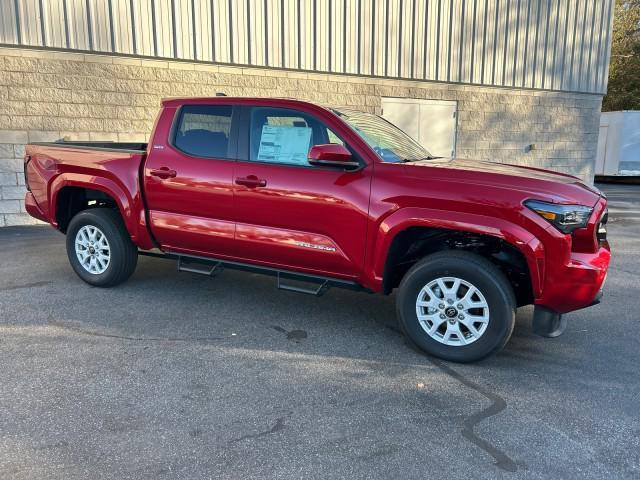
pixel 99 248
pixel 457 306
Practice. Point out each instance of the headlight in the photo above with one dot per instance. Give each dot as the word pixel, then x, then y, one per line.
pixel 565 218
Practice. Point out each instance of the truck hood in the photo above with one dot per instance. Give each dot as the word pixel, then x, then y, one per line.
pixel 544 184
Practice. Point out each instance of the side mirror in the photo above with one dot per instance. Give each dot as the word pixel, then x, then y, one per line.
pixel 332 155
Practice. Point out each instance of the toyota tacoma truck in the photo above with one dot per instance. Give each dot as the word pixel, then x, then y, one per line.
pixel 322 197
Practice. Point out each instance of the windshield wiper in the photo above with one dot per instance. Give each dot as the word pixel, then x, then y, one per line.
pixel 430 157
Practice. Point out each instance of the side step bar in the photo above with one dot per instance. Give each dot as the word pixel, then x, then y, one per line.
pixel 211 267
pixel 210 271
pixel 316 292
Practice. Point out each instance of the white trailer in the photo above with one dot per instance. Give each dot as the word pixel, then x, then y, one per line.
pixel 619 144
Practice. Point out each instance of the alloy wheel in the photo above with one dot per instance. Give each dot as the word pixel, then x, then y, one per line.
pixel 452 311
pixel 92 249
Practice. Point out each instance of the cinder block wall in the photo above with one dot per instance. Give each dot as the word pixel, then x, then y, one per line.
pixel 45 96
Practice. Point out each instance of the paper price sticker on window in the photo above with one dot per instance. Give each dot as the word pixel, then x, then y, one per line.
pixel 284 144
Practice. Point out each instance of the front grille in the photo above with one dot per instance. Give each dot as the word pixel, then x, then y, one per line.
pixel 601 232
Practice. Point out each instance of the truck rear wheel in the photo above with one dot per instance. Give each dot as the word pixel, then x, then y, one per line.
pixel 99 248
pixel 457 306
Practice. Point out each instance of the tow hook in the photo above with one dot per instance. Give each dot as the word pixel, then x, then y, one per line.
pixel 548 323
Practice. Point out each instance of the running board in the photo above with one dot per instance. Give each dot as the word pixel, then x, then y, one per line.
pixel 211 267
pixel 210 270
pixel 316 292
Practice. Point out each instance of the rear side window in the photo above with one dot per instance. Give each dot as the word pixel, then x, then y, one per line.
pixel 204 130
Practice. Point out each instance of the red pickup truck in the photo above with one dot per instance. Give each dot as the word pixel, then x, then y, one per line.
pixel 323 197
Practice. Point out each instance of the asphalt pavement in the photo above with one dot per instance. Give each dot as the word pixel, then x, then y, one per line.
pixel 173 375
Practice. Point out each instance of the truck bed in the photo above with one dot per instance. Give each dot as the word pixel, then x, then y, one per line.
pixel 57 168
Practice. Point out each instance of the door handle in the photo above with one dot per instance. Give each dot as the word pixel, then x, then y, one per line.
pixel 251 181
pixel 163 172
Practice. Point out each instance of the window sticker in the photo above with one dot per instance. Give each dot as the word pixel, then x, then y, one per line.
pixel 284 144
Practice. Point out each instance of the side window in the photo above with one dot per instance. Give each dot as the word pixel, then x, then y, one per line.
pixel 280 135
pixel 203 130
pixel 333 138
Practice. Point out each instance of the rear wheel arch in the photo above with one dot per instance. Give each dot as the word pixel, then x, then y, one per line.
pixel 124 199
pixel 71 200
pixel 75 191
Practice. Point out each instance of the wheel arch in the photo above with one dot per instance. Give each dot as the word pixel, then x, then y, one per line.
pixel 70 195
pixel 70 200
pixel 437 230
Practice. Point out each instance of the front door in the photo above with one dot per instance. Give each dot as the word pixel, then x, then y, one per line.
pixel 188 181
pixel 290 214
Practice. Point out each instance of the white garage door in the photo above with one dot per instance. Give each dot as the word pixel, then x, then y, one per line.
pixel 432 123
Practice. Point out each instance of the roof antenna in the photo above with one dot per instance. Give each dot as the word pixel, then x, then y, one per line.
pixel 221 94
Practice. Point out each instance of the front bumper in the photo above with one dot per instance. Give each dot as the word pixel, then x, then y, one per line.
pixel 576 284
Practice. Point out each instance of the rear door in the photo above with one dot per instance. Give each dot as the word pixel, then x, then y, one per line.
pixel 188 180
pixel 290 214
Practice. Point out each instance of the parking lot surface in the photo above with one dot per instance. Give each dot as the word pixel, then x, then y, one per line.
pixel 173 375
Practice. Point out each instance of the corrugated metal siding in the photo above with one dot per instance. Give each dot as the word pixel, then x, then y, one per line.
pixel 546 44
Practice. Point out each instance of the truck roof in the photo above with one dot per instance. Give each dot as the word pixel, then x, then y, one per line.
pixel 178 101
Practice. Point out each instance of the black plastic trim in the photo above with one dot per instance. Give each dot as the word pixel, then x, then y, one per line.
pixel 277 272
pixel 548 323
pixel 99 146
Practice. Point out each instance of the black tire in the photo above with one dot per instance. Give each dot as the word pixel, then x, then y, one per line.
pixel 123 253
pixel 482 274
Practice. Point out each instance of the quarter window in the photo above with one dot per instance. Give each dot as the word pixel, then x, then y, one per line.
pixel 204 130
pixel 280 135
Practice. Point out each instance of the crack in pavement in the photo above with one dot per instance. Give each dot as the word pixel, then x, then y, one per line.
pixel 135 339
pixel 26 285
pixel 295 335
pixel 498 404
pixel 279 425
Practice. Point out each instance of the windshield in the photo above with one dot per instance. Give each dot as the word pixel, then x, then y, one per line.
pixel 388 141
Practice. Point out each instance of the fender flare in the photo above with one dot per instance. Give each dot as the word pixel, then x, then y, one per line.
pixel 404 218
pixel 122 198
